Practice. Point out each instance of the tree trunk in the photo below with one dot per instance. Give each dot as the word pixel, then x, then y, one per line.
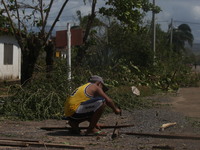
pixel 26 68
pixel 80 54
pixel 49 48
pixel 29 57
pixel 82 49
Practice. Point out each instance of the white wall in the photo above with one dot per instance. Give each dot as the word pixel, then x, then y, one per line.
pixel 10 71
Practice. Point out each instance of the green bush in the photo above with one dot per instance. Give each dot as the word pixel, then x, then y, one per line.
pixel 44 97
pixel 41 98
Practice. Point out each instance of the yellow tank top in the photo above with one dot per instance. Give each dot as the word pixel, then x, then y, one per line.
pixel 75 99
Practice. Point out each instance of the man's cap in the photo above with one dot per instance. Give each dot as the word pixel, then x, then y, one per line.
pixel 95 78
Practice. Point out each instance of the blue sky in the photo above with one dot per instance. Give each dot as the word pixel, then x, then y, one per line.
pixel 182 11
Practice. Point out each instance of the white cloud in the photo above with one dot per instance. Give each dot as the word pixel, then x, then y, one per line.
pixel 196 12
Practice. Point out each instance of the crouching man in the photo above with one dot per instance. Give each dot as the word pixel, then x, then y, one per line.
pixel 87 103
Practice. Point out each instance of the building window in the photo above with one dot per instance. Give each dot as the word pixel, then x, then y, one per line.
pixel 8 54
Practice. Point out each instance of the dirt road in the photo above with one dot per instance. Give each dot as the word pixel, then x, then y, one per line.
pixel 187 102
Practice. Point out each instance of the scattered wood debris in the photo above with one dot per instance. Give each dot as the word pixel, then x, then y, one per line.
pixel 166 125
pixel 189 137
pixel 102 127
pixel 160 147
pixel 34 143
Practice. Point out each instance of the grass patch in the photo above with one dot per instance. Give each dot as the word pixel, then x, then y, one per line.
pixel 194 121
pixel 124 97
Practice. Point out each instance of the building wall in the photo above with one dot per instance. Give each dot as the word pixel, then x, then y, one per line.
pixel 13 71
pixel 76 38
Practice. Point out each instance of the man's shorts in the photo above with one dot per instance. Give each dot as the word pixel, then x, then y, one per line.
pixel 87 108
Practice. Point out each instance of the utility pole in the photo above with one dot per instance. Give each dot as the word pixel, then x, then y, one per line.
pixel 69 51
pixel 171 33
pixel 154 32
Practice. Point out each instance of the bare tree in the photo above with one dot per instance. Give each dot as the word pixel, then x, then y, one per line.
pixel 23 16
pixel 82 50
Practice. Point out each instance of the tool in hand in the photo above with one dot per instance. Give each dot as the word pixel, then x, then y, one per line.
pixel 116 130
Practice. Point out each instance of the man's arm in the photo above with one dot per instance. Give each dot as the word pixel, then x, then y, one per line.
pixel 109 101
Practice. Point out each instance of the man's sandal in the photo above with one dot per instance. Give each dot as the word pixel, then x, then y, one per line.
pixel 99 125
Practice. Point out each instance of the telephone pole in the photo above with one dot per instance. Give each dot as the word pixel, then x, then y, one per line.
pixel 154 32
pixel 171 32
pixel 69 51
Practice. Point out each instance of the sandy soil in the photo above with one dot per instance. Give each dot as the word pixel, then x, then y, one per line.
pixel 188 102
pixel 181 108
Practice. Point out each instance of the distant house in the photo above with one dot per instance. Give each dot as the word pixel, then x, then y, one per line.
pixel 10 58
pixel 61 40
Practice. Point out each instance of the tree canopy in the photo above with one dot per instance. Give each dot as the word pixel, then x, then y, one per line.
pixel 4 24
pixel 129 12
pixel 181 35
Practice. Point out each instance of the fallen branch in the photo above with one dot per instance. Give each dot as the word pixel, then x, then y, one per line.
pixel 55 145
pixel 164 135
pixel 22 140
pixel 37 144
pixel 102 127
pixel 13 143
pixel 163 147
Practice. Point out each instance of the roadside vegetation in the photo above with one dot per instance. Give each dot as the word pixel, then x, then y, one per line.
pixel 44 98
pixel 122 54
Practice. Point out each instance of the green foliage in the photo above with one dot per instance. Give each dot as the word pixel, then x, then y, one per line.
pixel 27 15
pixel 121 44
pixel 129 12
pixel 181 35
pixel 42 98
pixel 4 25
pixel 124 98
pixel 83 20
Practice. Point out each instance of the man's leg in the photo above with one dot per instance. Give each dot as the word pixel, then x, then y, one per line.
pixel 75 125
pixel 95 118
pixel 91 111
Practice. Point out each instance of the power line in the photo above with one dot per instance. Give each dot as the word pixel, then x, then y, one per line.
pixel 67 16
pixel 188 22
pixel 164 21
pixel 179 21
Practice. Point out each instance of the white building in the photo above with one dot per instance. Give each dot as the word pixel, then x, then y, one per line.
pixel 10 58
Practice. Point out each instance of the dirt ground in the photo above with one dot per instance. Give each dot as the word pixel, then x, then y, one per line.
pixel 182 108
pixel 188 102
